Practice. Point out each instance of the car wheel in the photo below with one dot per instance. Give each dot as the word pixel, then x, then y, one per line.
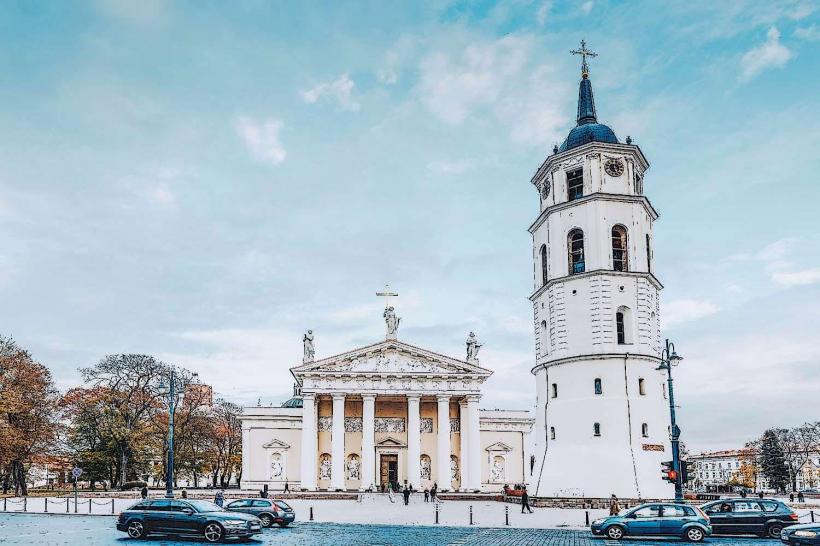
pixel 615 532
pixel 213 532
pixel 136 529
pixel 267 521
pixel 694 534
pixel 774 530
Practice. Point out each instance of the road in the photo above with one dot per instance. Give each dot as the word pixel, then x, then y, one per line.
pixel 99 530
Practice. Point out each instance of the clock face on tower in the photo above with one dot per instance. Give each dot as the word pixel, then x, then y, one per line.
pixel 614 167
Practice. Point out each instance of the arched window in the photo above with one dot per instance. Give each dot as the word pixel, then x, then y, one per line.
pixel 620 257
pixel 641 386
pixel 623 325
pixel 645 430
pixel 552 433
pixel 598 387
pixel 648 254
pixel 575 184
pixel 596 429
pixel 555 390
pixel 575 250
pixel 543 255
pixel 544 336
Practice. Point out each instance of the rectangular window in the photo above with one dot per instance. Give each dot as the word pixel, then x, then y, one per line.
pixel 575 184
pixel 641 387
pixel 619 326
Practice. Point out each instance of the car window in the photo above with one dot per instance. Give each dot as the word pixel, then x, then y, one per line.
pixel 161 506
pixel 205 506
pixel 261 503
pixel 140 506
pixel 283 505
pixel 769 506
pixel 239 504
pixel 670 511
pixel 746 506
pixel 653 511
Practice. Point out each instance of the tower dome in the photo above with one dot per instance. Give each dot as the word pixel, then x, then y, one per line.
pixel 587 129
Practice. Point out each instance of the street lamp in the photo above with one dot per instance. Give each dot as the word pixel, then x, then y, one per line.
pixel 670 358
pixel 169 477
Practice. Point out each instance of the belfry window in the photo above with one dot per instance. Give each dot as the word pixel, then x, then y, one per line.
pixel 619 327
pixel 575 184
pixel 552 433
pixel 641 386
pixel 619 249
pixel 648 255
pixel 543 255
pixel 575 249
pixel 645 430
pixel 596 429
pixel 623 325
pixel 555 390
pixel 598 388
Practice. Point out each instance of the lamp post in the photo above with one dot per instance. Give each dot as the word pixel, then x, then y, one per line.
pixel 169 477
pixel 670 358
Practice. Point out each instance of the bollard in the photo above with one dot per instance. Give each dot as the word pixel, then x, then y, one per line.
pixel 587 518
pixel 45 505
pixel 311 513
pixel 436 513
pixel 112 507
pixel 506 515
pixel 66 505
pixel 4 504
pixel 812 515
pixel 471 514
pixel 89 506
pixel 25 503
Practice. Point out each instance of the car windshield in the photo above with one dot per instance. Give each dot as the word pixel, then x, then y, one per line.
pixel 205 506
pixel 283 505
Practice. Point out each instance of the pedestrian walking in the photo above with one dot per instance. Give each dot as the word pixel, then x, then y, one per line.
pixel 144 492
pixel 743 494
pixel 791 497
pixel 434 491
pixel 287 487
pixel 406 494
pixel 801 497
pixel 614 505
pixel 525 501
pixel 263 494
pixel 184 493
pixel 426 495
pixel 219 499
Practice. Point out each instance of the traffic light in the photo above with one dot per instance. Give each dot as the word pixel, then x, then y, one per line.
pixel 669 473
pixel 684 471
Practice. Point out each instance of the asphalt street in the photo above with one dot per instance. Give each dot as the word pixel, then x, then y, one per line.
pixel 99 530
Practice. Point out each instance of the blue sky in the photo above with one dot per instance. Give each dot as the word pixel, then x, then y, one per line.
pixel 204 181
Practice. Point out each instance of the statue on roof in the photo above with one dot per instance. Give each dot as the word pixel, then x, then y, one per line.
pixel 309 350
pixel 472 348
pixel 392 322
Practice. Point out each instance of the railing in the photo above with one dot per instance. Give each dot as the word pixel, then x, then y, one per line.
pixel 32 505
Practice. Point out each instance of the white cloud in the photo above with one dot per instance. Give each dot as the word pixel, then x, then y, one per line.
pixel 543 12
pixel 340 89
pixel 262 139
pixel 770 54
pixel 586 7
pixel 797 278
pixel 686 310
pixel 807 33
pixel 497 78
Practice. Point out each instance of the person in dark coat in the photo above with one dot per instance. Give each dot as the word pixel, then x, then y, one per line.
pixel 801 497
pixel 760 495
pixel 433 491
pixel 219 499
pixel 287 487
pixel 406 493
pixel 426 495
pixel 614 506
pixel 144 492
pixel 525 501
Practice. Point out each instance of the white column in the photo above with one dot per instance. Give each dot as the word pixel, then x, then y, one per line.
pixel 308 467
pixel 464 429
pixel 413 441
pixel 246 454
pixel 443 444
pixel 473 443
pixel 368 441
pixel 337 441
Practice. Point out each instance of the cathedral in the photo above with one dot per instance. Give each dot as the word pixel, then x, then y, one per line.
pixel 392 413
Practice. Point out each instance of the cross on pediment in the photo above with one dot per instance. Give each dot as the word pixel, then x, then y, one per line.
pixel 584 53
pixel 387 294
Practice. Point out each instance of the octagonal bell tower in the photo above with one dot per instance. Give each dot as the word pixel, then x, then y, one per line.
pixel 602 413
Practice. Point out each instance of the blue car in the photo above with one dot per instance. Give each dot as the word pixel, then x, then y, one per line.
pixel 656 519
pixel 807 534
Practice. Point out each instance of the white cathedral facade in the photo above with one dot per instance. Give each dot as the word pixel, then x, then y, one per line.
pixel 393 413
pixel 602 418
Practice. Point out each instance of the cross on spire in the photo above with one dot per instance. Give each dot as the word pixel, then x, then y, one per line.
pixel 387 294
pixel 584 53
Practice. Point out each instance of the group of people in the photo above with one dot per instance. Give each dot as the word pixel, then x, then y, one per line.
pixel 800 497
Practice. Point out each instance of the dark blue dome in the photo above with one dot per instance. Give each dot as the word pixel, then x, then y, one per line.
pixel 589 132
pixel 293 403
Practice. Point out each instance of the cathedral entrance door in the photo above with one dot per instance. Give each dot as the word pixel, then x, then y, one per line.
pixel 389 466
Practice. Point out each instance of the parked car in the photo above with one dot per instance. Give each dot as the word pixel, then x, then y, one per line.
pixel 807 534
pixel 193 518
pixel 765 517
pixel 267 510
pixel 656 519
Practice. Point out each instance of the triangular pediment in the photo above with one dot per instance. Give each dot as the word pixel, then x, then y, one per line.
pixel 391 442
pixel 498 446
pixel 391 357
pixel 276 444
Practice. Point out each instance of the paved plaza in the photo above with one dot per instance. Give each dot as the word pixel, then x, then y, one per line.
pixel 28 529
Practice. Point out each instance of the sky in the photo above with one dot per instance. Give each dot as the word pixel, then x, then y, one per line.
pixel 205 181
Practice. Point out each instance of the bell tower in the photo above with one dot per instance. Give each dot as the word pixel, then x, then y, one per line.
pixel 602 414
